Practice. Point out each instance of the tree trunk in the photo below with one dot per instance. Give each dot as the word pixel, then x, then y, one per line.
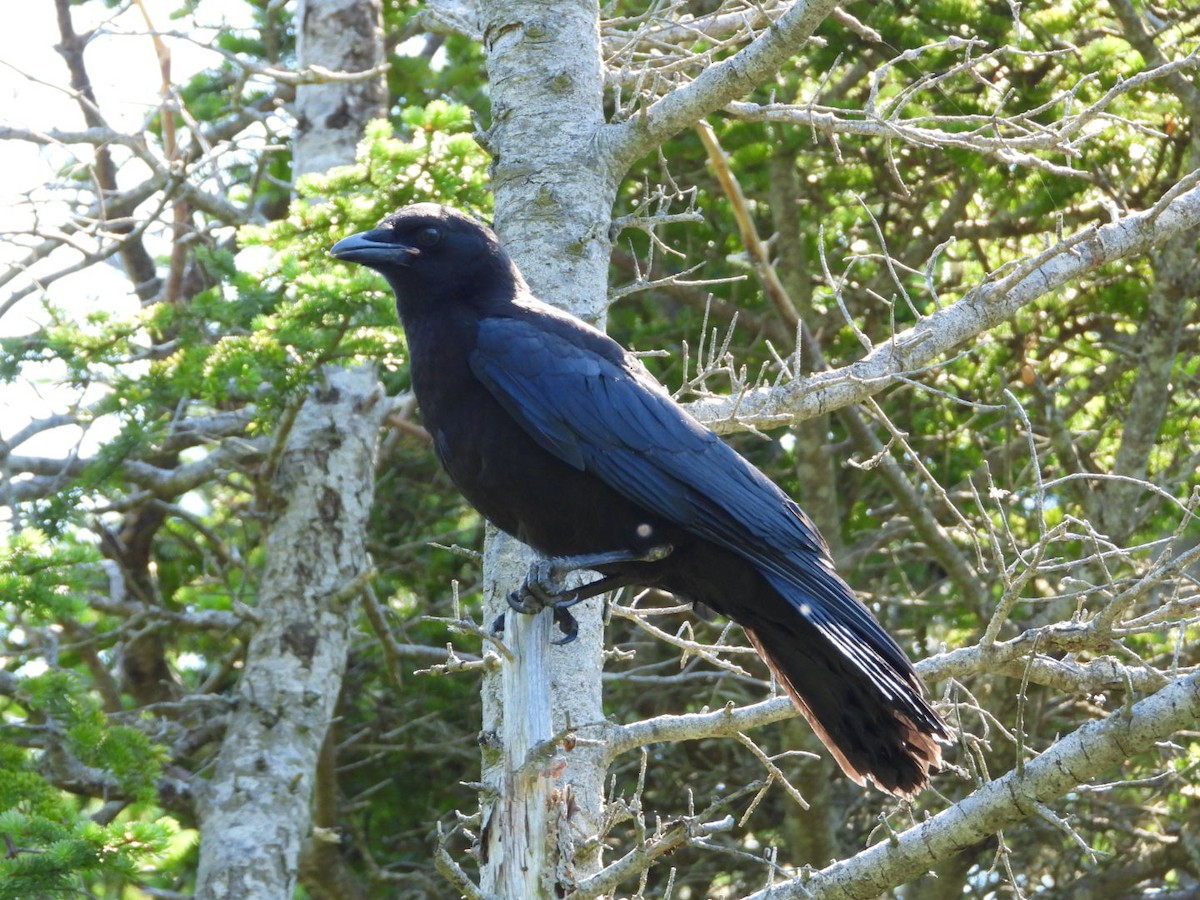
pixel 554 199
pixel 345 36
pixel 256 815
pixel 255 812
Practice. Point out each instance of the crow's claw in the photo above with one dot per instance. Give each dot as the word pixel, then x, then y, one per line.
pixel 544 586
pixel 566 624
pixel 519 601
pixel 542 589
pixel 544 583
pixel 530 599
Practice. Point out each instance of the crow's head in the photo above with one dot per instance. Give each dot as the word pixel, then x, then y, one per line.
pixel 431 253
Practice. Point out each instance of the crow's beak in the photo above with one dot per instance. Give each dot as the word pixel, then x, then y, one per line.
pixel 367 249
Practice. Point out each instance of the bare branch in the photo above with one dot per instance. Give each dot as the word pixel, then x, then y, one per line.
pixel 1074 760
pixel 717 85
pixel 984 307
pixel 728 721
pixel 669 838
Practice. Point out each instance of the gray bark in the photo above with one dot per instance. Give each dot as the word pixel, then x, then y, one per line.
pixel 554 198
pixel 340 36
pixel 254 813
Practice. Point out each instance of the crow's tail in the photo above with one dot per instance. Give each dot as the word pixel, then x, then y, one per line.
pixel 867 707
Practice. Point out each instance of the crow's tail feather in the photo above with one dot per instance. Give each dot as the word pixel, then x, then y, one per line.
pixel 873 718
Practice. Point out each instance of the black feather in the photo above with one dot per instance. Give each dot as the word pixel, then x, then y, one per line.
pixel 560 437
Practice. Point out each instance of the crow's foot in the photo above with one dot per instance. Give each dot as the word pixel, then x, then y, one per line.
pixel 545 586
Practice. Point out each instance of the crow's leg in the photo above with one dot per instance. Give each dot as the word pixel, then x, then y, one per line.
pixel 544 584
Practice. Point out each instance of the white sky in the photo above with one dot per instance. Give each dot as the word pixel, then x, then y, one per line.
pixel 33 92
pixel 125 75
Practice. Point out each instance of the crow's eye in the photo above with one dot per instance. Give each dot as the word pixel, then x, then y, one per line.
pixel 429 236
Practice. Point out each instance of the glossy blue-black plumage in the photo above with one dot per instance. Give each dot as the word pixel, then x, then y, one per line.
pixel 605 416
pixel 560 437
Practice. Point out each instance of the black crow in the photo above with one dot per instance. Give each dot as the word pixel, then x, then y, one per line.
pixel 561 438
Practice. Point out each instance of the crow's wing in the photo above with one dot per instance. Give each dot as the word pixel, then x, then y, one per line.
pixel 582 398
